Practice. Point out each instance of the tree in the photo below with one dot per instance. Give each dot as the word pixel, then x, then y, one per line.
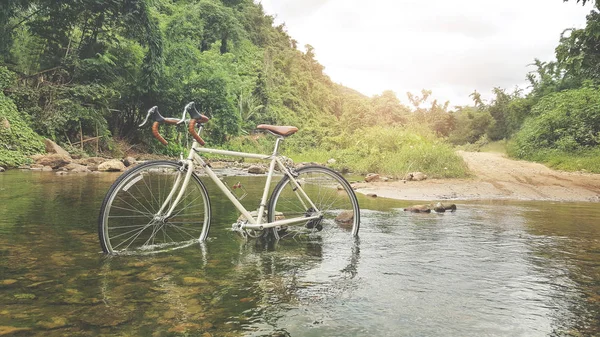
pixel 584 2
pixel 476 98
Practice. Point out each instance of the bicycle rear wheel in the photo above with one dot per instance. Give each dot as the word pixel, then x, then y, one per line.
pixel 332 195
pixel 133 217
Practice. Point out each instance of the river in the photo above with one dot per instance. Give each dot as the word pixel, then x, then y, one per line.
pixel 488 269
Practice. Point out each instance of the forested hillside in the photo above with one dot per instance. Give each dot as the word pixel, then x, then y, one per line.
pixel 78 69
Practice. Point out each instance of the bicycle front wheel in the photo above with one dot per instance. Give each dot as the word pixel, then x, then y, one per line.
pixel 135 216
pixel 330 197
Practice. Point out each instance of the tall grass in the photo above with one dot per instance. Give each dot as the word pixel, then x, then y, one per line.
pixel 392 151
pixel 586 160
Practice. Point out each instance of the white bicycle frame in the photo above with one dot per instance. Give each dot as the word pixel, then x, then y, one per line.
pixel 194 159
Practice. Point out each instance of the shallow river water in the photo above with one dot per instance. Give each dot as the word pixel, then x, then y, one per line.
pixel 488 269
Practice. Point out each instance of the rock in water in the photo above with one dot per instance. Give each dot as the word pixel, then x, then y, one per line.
pixel 345 218
pixel 418 209
pixel 441 208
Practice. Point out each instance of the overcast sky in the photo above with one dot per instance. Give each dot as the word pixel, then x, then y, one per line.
pixel 450 47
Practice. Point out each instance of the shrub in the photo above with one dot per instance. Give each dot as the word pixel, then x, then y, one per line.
pixel 566 121
pixel 17 139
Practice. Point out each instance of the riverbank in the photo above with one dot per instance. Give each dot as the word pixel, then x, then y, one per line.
pixel 495 177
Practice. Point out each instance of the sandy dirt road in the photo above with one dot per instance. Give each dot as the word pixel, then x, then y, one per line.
pixel 495 178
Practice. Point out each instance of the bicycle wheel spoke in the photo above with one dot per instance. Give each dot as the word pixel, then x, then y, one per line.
pixel 130 220
pixel 130 239
pixel 321 185
pixel 149 215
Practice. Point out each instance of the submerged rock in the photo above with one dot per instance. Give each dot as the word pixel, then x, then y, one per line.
pixel 53 323
pixel 9 330
pixel 189 280
pixel 105 316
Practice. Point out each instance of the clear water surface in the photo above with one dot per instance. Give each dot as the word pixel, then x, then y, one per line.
pixel 488 269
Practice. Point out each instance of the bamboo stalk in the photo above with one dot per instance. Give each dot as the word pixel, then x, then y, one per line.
pixel 68 140
pixel 81 135
pixel 97 139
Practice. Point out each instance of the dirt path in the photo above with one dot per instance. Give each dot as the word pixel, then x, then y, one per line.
pixel 496 177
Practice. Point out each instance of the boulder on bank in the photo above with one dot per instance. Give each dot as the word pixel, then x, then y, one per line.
pixel 256 169
pixel 2 169
pixel 53 160
pixel 415 176
pixel 52 147
pixel 112 165
pixel 91 161
pixel 73 167
pixel 372 177
pixel 129 161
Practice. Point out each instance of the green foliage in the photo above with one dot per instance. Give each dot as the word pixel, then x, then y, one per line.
pixel 17 140
pixel 471 125
pixel 565 121
pixel 96 66
pixel 7 78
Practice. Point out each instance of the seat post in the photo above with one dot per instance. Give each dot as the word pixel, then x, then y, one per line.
pixel 277 143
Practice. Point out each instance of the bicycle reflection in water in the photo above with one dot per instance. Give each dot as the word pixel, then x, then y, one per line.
pixel 267 278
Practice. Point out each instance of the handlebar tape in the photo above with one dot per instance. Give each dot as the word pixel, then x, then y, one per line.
pixel 192 130
pixel 156 134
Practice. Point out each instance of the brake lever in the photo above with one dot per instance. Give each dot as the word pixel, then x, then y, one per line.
pixel 150 112
pixel 185 110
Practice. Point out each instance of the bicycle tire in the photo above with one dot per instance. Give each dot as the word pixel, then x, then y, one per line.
pixel 331 194
pixel 128 221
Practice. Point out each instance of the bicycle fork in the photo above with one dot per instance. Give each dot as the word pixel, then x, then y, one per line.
pixel 177 185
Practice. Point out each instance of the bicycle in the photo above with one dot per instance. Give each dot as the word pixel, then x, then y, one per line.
pixel 161 205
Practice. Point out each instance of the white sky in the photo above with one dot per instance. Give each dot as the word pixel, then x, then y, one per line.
pixel 449 46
